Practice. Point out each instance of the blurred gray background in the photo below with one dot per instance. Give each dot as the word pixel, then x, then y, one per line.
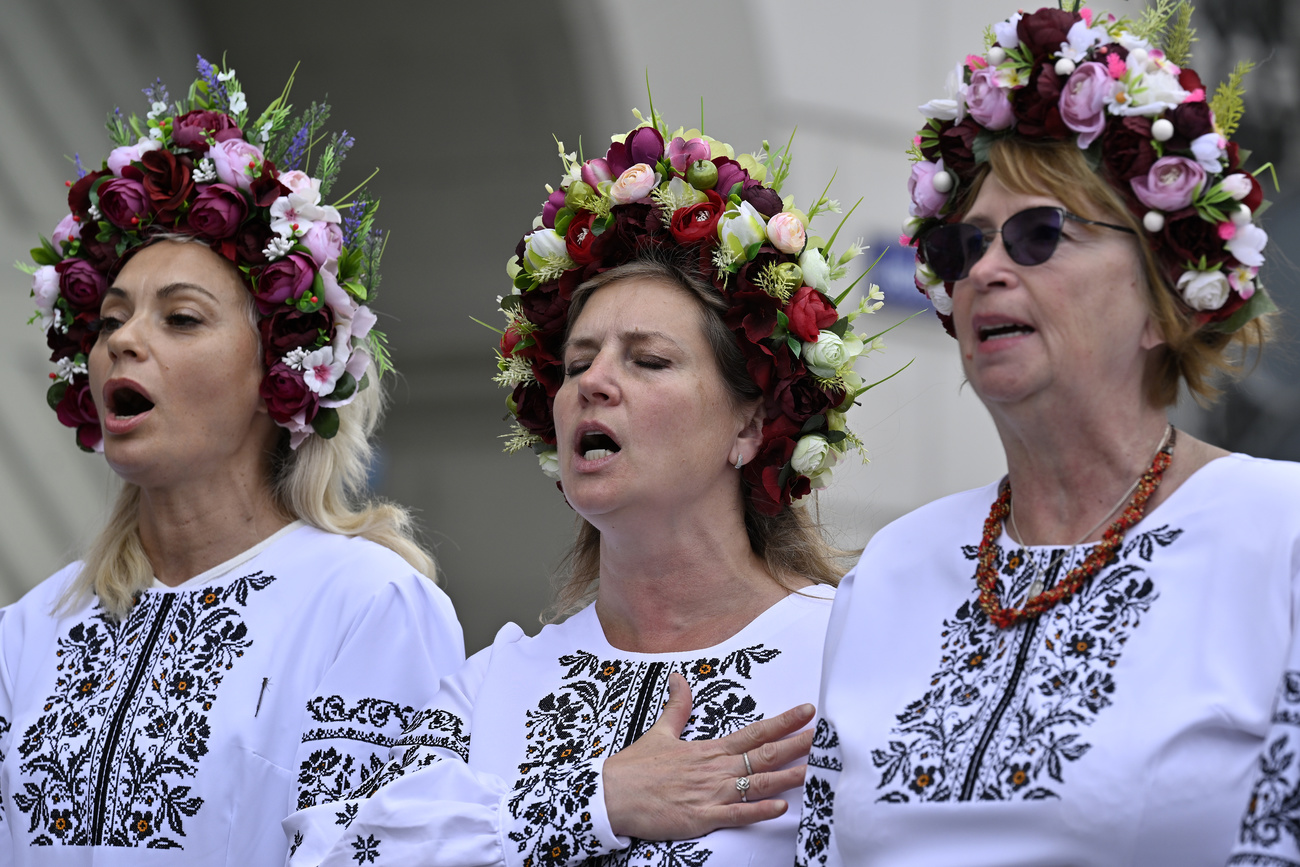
pixel 457 103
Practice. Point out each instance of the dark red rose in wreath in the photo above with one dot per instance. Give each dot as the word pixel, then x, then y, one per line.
pixel 698 222
pixel 810 311
pixel 1187 238
pixel 1037 104
pixel 1042 32
pixel 124 202
pixel 956 147
pixel 533 410
pixel 289 328
pixel 82 284
pixel 580 240
pixel 217 211
pixel 765 200
pixel 101 254
pixel 79 193
pixel 284 280
pixel 1191 121
pixel 77 409
pixel 169 182
pixel 634 228
pixel 546 307
pixel 79 337
pixel 801 398
pixel 1126 150
pixel 287 395
pixel 251 241
pixel 193 129
pixel 266 187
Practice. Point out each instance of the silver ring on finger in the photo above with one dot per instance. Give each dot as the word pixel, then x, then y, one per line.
pixel 742 786
pixel 749 769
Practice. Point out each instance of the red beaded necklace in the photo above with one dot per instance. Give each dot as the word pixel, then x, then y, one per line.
pixel 986 575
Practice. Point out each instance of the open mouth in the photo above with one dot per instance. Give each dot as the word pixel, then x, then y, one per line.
pixel 595 445
pixel 1006 329
pixel 125 402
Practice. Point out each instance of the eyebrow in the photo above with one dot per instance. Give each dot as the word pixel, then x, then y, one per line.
pixel 167 291
pixel 630 337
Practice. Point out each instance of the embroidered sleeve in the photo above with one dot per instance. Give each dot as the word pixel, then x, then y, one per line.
pixel 1270 826
pixel 817 823
pixel 386 669
pixel 6 714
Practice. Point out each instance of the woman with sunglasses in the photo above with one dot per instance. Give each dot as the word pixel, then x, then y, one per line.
pixel 1092 661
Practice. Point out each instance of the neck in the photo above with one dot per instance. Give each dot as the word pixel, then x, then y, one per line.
pixel 680 584
pixel 185 532
pixel 1067 472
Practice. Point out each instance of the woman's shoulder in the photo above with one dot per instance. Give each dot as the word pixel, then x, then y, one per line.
pixel 938 517
pixel 333 559
pixel 45 596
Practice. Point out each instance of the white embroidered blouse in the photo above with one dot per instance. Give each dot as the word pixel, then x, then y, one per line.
pixel 505 766
pixel 1152 719
pixel 184 734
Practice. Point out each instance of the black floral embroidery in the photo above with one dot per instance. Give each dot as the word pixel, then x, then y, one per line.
pixel 818 816
pixel 966 738
pixel 1270 827
pixel 328 774
pixel 4 733
pixel 602 707
pixel 297 841
pixel 367 849
pixel 106 763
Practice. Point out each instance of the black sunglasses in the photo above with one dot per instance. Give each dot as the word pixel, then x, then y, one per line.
pixel 1029 237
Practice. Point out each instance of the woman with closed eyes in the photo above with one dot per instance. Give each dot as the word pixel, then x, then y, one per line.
pixel 249 630
pixel 684 427
pixel 1092 661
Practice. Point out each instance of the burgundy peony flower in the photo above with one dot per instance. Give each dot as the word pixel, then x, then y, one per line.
pixel 124 202
pixel 1191 121
pixel 77 409
pixel 752 312
pixel 168 181
pixel 79 193
pixel 1042 32
pixel 533 411
pixel 956 147
pixel 730 173
pixel 82 284
pixel 810 311
pixel 192 129
pixel 251 241
pixel 765 200
pixel 642 145
pixel 287 395
pixel 698 222
pixel 800 398
pixel 217 212
pixel 633 229
pixel 101 254
pixel 284 280
pixel 1037 104
pixel 289 328
pixel 1126 150
pixel 266 187
pixel 1188 237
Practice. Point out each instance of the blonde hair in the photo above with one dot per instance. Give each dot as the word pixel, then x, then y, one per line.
pixel 1193 353
pixel 789 543
pixel 322 483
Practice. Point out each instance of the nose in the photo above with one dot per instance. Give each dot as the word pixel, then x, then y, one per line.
pixel 599 382
pixel 125 339
pixel 994 267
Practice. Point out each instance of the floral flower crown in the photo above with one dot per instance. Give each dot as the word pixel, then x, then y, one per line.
pixel 204 166
pixel 1139 114
pixel 685 190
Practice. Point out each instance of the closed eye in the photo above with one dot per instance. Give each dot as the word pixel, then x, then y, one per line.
pixel 576 368
pixel 652 362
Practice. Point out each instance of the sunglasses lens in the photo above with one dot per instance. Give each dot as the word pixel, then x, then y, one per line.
pixel 1030 236
pixel 951 250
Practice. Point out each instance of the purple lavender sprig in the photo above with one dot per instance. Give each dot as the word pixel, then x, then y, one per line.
pixel 218 100
pixel 157 92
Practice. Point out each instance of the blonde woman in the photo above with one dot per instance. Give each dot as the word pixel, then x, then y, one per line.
pixel 248 632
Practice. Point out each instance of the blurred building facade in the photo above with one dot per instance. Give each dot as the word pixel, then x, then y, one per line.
pixel 457 103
